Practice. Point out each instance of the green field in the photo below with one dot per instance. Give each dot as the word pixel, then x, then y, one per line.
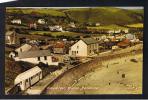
pixel 52 12
pixel 108 27
pixel 106 15
pixel 71 34
pixel 138 25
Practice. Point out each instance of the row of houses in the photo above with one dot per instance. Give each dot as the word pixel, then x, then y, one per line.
pixel 19 21
pixel 82 47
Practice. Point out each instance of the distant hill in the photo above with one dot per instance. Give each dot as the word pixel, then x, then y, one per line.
pixel 106 15
pixel 103 15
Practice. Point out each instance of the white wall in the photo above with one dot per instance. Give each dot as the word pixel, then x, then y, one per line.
pixel 82 49
pixel 35 60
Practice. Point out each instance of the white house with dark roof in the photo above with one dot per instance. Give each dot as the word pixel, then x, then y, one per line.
pixel 84 47
pixel 36 57
pixel 23 48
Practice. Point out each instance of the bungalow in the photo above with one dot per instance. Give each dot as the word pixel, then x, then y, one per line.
pixel 84 47
pixel 16 21
pixel 10 37
pixel 36 57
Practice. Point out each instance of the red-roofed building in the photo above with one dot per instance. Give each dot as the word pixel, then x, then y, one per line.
pixel 59 48
pixel 125 43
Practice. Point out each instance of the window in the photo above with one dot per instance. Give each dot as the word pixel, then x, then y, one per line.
pixel 77 51
pixel 77 47
pixel 38 58
pixel 45 57
pixel 26 80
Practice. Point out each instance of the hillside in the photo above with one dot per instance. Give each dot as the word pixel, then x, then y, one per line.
pixel 106 15
pixel 103 15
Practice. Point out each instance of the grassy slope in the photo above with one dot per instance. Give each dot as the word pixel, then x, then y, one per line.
pixel 138 25
pixel 103 15
pixel 52 12
pixel 108 27
pixel 106 15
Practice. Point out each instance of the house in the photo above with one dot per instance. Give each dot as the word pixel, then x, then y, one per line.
pixel 72 25
pixel 125 30
pixel 16 21
pixel 59 48
pixel 28 78
pixel 84 47
pixel 33 26
pixel 114 31
pixel 130 36
pixel 124 44
pixel 41 21
pixel 37 56
pixel 56 28
pixel 98 24
pixel 23 48
pixel 10 37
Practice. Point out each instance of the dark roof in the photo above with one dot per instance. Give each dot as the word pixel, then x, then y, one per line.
pixel 32 54
pixel 89 40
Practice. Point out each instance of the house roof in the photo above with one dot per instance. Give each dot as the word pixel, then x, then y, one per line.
pixel 59 45
pixel 32 54
pixel 27 74
pixel 9 33
pixel 25 47
pixel 89 40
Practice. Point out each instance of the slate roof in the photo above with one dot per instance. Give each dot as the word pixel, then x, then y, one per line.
pixel 89 40
pixel 33 54
pixel 25 47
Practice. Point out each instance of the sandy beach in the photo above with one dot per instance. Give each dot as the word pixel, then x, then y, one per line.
pixel 110 79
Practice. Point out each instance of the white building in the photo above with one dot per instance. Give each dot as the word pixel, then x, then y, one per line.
pixel 130 36
pixel 16 21
pixel 56 28
pixel 36 57
pixel 72 24
pixel 114 31
pixel 98 24
pixel 28 78
pixel 10 37
pixel 41 21
pixel 84 47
